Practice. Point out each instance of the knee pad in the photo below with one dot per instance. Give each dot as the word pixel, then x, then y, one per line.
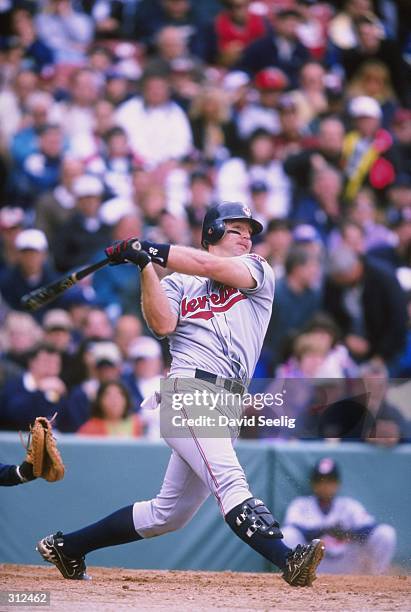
pixel 253 517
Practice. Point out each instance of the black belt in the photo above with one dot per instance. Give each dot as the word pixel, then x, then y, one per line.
pixel 233 386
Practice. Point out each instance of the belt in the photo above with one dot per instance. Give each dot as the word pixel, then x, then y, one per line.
pixel 233 386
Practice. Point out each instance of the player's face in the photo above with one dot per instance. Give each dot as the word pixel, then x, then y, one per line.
pixel 236 240
pixel 326 489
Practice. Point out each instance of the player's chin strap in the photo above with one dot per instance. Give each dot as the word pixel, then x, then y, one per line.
pixel 254 524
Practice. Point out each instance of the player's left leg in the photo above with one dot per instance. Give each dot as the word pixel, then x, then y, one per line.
pixel 181 495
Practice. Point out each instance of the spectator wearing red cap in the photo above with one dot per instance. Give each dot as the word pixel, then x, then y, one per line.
pixel 233 29
pixel 269 83
pixel 282 48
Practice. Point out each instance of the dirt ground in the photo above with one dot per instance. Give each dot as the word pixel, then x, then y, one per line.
pixel 124 589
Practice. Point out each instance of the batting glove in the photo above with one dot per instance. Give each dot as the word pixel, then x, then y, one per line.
pixel 124 251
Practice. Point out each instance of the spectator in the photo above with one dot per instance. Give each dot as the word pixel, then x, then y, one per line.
pixel 31 270
pixel 13 102
pixel 235 175
pixel 396 253
pixel 33 48
pixel 20 334
pixel 11 224
pixel 231 31
pixel 310 96
pixel 263 113
pixel 89 142
pixel 292 137
pixel 103 365
pixel 342 28
pixel 39 170
pixel 58 327
pixel 370 156
pixel 83 235
pixel 214 132
pixel 281 49
pixel 373 79
pixel 297 300
pixel 355 542
pixel 373 46
pixel 329 150
pixel 150 17
pixel 157 128
pixel 363 211
pixel 321 208
pixel 368 304
pixel 171 46
pixel 53 208
pixel 144 382
pixel 401 130
pixel 40 111
pixel 84 90
pixel 110 414
pixel 67 31
pixel 107 16
pixel 39 391
pixel 127 329
pixel 113 165
pixel 117 288
pixel 147 363
pixel 276 244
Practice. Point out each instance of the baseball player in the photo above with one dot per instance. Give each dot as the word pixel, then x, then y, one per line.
pixel 354 541
pixel 11 475
pixel 215 309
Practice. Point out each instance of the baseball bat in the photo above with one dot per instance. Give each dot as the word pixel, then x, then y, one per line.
pixel 42 296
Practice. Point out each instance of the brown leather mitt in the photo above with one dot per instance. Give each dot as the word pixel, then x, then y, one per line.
pixel 42 451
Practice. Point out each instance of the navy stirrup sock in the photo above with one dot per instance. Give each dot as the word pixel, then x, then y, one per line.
pixel 117 528
pixel 243 525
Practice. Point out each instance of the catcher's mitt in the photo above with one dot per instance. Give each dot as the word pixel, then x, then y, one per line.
pixel 42 451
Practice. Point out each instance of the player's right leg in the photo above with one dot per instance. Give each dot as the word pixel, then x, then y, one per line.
pixel 181 495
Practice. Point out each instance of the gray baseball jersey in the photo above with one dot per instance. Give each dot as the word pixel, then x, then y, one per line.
pixel 220 329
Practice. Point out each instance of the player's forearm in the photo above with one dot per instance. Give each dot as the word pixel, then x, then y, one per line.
pixel 155 304
pixel 225 270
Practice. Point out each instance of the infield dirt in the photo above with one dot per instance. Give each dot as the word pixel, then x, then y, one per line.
pixel 124 589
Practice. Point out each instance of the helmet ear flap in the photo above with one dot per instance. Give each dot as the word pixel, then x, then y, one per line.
pixel 214 232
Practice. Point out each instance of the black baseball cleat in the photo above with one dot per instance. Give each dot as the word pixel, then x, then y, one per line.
pixel 302 563
pixel 50 549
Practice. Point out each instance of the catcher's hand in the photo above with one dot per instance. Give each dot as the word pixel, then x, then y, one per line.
pixel 123 251
pixel 42 451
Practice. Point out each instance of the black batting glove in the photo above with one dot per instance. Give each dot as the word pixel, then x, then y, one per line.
pixel 124 251
pixel 25 471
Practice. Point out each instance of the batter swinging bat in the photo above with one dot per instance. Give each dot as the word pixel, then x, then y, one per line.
pixel 42 296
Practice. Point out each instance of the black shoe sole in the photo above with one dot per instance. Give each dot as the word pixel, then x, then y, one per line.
pixel 318 555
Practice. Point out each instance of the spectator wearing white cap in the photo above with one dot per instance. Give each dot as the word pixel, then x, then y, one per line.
pixel 103 360
pixel 369 154
pixel 146 358
pixel 84 234
pixel 31 270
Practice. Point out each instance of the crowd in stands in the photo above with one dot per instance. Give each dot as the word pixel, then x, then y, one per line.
pixel 132 118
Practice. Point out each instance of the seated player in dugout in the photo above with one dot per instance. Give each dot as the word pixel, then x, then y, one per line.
pixel 355 542
pixel 215 309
